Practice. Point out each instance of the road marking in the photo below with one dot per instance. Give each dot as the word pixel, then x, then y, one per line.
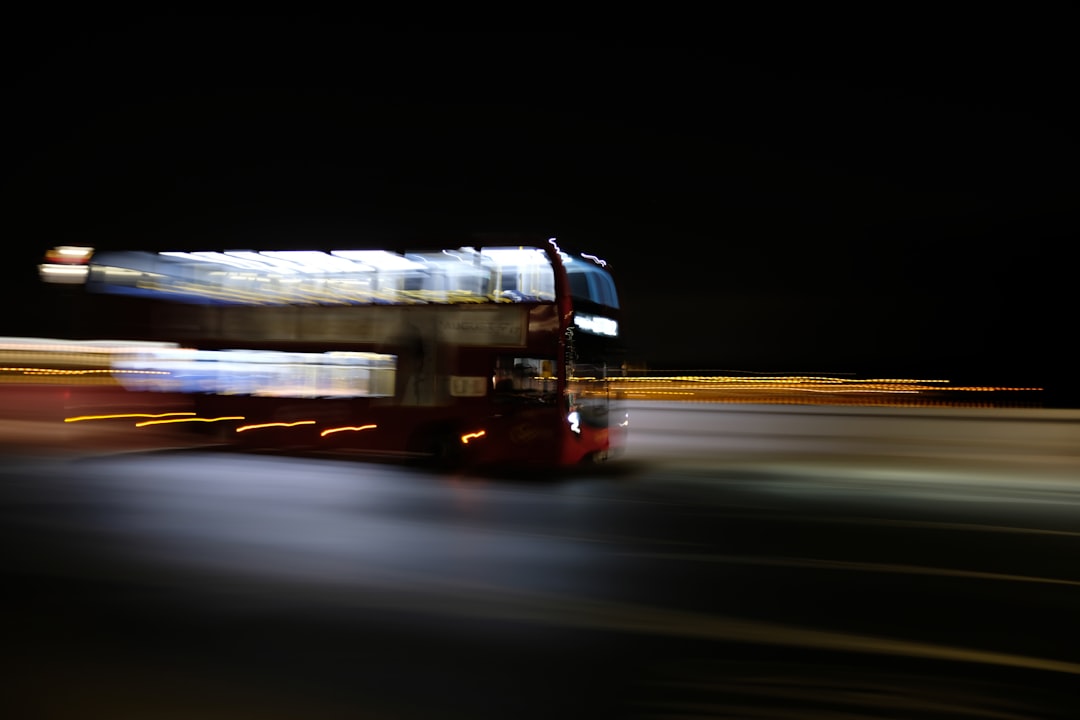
pixel 490 602
pixel 857 566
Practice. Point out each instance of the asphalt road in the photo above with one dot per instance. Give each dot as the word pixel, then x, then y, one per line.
pixel 187 583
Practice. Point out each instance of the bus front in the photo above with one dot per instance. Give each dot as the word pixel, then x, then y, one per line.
pixel 593 356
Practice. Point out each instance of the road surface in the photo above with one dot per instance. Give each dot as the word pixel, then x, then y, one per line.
pixel 771 581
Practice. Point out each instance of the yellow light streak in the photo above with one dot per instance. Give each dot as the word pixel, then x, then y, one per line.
pixel 53 371
pixel 273 424
pixel 81 418
pixel 195 419
pixel 357 428
pixel 472 436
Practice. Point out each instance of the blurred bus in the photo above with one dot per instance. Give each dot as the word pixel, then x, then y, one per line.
pixel 493 353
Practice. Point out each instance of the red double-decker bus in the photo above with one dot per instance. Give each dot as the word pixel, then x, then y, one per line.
pixel 490 353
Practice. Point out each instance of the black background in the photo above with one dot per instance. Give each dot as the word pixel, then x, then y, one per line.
pixel 864 195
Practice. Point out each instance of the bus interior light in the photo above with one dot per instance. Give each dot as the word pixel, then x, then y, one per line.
pixel 61 273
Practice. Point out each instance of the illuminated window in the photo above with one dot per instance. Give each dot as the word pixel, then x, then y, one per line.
pixel 525 379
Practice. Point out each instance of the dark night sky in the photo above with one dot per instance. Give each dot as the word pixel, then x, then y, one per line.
pixel 864 201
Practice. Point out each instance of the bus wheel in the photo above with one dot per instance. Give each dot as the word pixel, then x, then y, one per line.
pixel 448 454
pixel 442 450
pixel 595 458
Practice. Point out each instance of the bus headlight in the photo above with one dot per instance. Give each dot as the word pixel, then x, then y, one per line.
pixel 574 418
